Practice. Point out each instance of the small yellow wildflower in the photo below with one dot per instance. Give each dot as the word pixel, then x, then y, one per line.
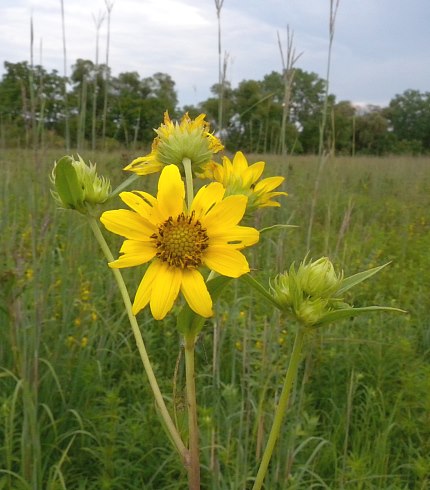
pixel 259 344
pixel 85 291
pixel 29 274
pixel 176 141
pixel 70 341
pixel 240 178
pixel 179 241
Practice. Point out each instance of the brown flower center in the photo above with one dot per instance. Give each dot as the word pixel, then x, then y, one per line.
pixel 181 242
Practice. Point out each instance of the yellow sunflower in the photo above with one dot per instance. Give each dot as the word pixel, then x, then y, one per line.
pixel 179 241
pixel 240 178
pixel 176 141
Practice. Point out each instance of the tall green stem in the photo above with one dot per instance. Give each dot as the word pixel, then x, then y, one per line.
pixel 194 466
pixel 170 426
pixel 290 377
pixel 186 162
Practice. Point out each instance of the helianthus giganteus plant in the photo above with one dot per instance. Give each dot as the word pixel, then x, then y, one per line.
pixel 192 244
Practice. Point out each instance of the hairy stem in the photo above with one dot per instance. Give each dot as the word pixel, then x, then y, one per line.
pixel 194 466
pixel 290 377
pixel 170 426
pixel 186 162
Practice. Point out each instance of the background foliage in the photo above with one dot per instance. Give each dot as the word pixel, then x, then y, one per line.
pixel 93 109
pixel 75 408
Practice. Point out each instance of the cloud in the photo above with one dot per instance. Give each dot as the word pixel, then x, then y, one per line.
pixel 380 48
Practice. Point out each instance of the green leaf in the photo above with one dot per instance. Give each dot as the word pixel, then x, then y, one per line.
pixel 276 227
pixel 352 281
pixel 350 312
pixel 67 184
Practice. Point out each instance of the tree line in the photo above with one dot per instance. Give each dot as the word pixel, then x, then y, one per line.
pixel 93 109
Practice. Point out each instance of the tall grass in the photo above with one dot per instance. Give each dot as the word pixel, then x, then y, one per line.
pixel 76 412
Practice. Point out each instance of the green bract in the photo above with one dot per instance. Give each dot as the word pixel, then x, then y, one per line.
pixel 77 184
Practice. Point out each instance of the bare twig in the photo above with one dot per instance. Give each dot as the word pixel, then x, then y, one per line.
pixel 222 65
pixel 66 105
pixel 322 156
pixel 98 21
pixel 288 72
pixel 109 6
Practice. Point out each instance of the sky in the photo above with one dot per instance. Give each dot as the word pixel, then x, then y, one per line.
pixel 380 47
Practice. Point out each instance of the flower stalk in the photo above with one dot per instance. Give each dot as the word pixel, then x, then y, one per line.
pixel 186 162
pixel 164 413
pixel 193 430
pixel 281 409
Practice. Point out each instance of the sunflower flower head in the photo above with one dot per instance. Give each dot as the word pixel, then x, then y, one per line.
pixel 240 178
pixel 77 185
pixel 178 242
pixel 178 140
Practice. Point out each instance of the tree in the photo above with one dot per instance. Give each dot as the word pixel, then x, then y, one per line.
pixel 371 132
pixel 19 84
pixel 340 131
pixel 409 116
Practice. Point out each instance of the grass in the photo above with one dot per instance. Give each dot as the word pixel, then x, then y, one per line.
pixel 75 408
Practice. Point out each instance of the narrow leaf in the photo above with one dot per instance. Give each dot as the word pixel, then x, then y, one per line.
pixel 352 281
pixel 350 312
pixel 276 227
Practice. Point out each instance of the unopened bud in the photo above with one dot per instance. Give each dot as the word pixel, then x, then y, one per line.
pixel 318 278
pixel 77 184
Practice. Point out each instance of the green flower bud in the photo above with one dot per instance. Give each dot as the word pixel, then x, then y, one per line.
pixel 318 278
pixel 281 290
pixel 310 311
pixel 77 185
pixel 308 293
pixel 313 293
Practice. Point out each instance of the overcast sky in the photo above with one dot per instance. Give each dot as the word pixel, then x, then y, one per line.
pixel 381 47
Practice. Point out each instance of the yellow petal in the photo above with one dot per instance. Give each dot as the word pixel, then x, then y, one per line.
pixel 144 165
pixel 253 173
pixel 143 293
pixel 196 293
pixel 165 289
pixel 127 224
pixel 240 164
pixel 153 211
pixel 225 171
pixel 135 253
pixel 268 184
pixel 226 261
pixel 226 213
pixel 206 197
pixel 239 236
pixel 171 192
pixel 136 202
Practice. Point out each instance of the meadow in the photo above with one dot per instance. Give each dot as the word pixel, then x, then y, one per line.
pixel 76 411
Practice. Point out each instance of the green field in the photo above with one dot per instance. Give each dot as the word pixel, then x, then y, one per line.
pixel 76 411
